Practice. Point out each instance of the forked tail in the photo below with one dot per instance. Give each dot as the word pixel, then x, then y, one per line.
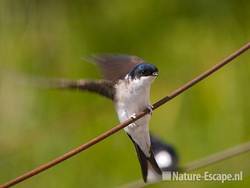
pixel 149 167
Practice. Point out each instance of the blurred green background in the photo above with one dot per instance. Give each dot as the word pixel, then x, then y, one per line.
pixel 183 38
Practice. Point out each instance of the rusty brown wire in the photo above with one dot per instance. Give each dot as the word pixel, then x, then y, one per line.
pixel 120 126
pixel 200 163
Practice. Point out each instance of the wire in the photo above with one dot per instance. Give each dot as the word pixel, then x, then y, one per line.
pixel 217 157
pixel 201 163
pixel 120 126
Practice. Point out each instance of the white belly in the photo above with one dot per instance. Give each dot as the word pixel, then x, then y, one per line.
pixel 131 101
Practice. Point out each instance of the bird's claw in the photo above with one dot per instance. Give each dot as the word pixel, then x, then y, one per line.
pixel 133 116
pixel 150 109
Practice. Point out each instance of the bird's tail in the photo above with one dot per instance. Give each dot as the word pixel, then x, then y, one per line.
pixel 149 167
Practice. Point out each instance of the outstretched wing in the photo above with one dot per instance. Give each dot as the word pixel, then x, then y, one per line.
pixel 101 87
pixel 115 67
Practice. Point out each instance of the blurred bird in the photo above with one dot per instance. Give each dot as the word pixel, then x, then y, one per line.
pixel 127 81
pixel 165 155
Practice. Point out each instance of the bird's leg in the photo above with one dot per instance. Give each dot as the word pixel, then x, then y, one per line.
pixel 150 109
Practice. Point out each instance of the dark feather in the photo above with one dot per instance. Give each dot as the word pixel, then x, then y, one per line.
pixel 144 160
pixel 154 164
pixel 115 67
pixel 159 145
pixel 101 87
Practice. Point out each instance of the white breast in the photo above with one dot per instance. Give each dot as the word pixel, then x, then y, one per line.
pixel 132 96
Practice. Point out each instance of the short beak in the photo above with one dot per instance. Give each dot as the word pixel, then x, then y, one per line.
pixel 155 73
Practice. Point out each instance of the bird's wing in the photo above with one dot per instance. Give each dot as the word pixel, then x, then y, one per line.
pixel 115 67
pixel 102 87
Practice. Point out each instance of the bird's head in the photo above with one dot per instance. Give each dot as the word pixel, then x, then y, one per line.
pixel 144 71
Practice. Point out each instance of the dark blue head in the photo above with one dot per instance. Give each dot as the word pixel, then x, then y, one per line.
pixel 143 69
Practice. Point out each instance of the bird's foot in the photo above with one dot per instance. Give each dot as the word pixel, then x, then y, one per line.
pixel 133 125
pixel 133 116
pixel 150 109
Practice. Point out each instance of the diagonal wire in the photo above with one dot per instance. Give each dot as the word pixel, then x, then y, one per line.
pixel 217 157
pixel 120 126
pixel 201 163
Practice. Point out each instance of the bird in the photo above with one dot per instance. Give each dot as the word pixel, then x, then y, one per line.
pixel 127 82
pixel 165 154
